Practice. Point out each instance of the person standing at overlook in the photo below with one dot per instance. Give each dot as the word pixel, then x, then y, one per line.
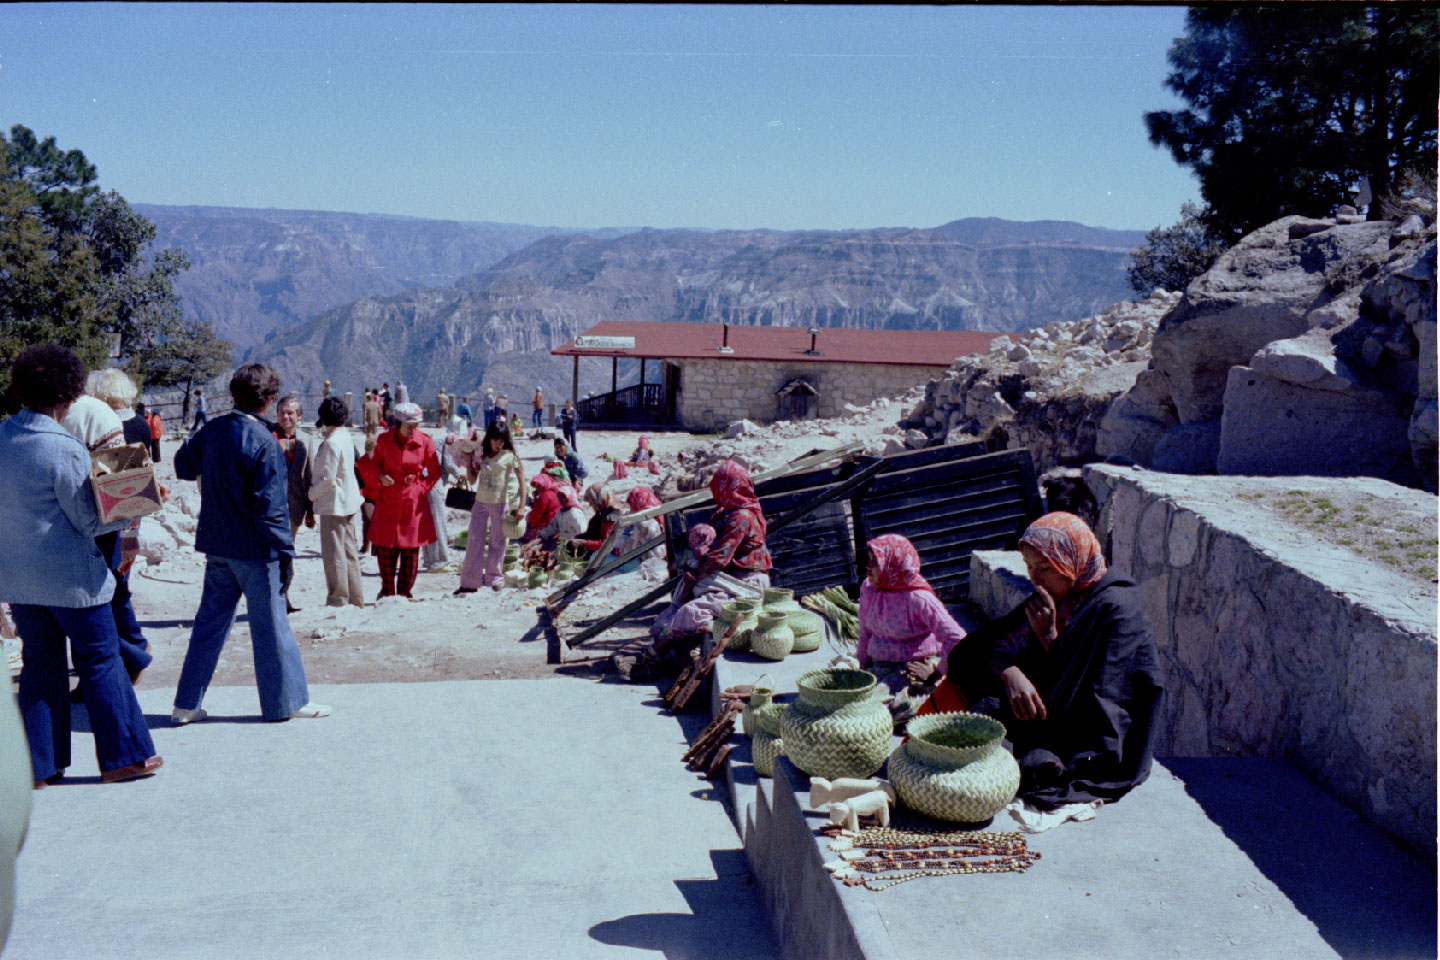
pixel 57 583
pixel 487 406
pixel 407 466
pixel 464 412
pixel 442 408
pixel 402 393
pixel 244 532
pixel 570 424
pixel 199 411
pixel 297 465
pixel 373 415
pixel 538 416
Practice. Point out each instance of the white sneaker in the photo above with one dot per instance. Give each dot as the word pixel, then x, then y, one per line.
pixel 311 711
pixel 180 716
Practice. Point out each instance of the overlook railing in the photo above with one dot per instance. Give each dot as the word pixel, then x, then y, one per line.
pixel 640 402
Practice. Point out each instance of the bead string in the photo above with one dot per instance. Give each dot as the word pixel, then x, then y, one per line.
pixel 939 853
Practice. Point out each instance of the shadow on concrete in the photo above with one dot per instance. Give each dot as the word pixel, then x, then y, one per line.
pixel 726 920
pixel 163 624
pixel 1366 896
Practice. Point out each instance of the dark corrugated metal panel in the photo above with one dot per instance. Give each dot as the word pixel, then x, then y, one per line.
pixel 951 509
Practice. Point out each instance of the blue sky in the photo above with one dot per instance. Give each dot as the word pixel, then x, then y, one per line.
pixel 586 116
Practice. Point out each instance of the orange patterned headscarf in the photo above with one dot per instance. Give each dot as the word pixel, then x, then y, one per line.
pixel 1070 546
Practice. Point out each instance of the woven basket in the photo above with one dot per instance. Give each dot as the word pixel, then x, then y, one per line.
pixel 772 639
pixel 743 609
pixel 764 749
pixel 838 727
pixel 761 696
pixel 536 577
pixel 808 631
pixel 954 767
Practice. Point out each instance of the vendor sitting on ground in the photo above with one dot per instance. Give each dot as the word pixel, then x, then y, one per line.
pixel 642 457
pixel 905 631
pixel 593 537
pixel 567 524
pixel 517 428
pixel 545 503
pixel 574 466
pixel 739 550
pixel 1071 672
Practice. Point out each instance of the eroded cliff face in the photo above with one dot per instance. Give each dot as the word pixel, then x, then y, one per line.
pixel 513 313
pixel 253 271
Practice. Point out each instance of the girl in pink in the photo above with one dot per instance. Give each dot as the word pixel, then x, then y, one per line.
pixel 906 633
pixel 494 470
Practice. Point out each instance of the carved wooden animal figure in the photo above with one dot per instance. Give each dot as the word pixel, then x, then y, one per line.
pixel 876 803
pixel 824 791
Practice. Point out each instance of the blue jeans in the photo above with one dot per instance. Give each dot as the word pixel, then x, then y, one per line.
pixel 539 416
pixel 121 735
pixel 134 648
pixel 279 673
pixel 570 438
pixel 199 420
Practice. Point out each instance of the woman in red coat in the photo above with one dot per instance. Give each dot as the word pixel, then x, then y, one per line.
pixel 408 466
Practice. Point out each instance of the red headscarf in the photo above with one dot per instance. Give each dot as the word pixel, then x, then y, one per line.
pixel 644 443
pixel 1069 545
pixel 732 490
pixel 543 481
pixel 642 498
pixel 896 564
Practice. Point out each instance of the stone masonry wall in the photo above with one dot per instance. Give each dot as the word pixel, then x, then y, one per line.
pixel 1275 643
pixel 716 392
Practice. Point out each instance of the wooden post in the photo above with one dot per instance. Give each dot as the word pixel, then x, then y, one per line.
pixel 642 379
pixel 614 373
pixel 575 381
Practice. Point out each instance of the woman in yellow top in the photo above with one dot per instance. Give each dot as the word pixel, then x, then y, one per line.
pixel 495 471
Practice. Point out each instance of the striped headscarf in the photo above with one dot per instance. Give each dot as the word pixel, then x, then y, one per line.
pixel 896 563
pixel 1069 545
pixel 699 539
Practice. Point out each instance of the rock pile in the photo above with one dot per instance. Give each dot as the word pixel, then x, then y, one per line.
pixel 1309 348
pixel 1046 389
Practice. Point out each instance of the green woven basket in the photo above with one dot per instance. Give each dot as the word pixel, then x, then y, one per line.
pixel 772 638
pixel 764 749
pixel 837 727
pixel 954 767
pixel 807 629
pixel 761 696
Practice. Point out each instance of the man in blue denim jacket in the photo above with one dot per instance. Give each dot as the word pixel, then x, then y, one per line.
pixel 244 532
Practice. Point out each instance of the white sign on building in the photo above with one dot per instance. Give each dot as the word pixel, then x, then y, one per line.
pixel 604 343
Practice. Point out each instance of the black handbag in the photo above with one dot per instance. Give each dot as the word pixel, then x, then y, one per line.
pixel 458 498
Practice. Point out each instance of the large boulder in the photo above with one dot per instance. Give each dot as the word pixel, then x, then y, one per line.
pixel 1262 289
pixel 1298 409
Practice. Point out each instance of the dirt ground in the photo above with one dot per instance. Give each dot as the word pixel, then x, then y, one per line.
pixel 485 635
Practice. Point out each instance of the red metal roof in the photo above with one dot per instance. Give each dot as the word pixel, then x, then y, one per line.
pixel 680 340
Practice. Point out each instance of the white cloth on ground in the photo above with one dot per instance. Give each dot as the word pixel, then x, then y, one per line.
pixel 1034 820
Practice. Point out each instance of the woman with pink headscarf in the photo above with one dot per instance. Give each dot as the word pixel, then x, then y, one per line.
pixel 642 457
pixel 1071 672
pixel 739 551
pixel 545 503
pixel 905 631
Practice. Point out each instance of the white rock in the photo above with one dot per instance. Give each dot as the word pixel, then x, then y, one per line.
pixel 156 544
pixel 916 439
pixel 1000 345
pixel 1018 352
pixel 742 428
pixel 1030 368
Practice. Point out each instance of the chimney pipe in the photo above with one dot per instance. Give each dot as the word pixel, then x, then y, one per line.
pixel 725 338
pixel 813 351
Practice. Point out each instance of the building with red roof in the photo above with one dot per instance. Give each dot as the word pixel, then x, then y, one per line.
pixel 715 373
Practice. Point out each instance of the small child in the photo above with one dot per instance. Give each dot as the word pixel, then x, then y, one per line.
pixel 905 631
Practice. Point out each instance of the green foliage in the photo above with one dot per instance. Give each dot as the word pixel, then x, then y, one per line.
pixel 76 265
pixel 1290 106
pixel 1172 256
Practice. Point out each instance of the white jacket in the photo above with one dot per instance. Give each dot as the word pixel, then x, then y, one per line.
pixel 334 491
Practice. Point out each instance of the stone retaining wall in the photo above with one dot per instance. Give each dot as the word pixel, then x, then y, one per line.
pixel 1277 644
pixel 716 392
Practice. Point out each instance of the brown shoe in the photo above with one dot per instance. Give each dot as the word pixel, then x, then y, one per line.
pixel 133 771
pixel 52 779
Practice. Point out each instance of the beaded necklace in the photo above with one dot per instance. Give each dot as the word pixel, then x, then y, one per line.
pixel 936 853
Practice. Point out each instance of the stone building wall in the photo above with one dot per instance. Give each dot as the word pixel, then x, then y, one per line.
pixel 716 392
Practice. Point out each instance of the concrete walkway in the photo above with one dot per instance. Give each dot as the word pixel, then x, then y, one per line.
pixel 508 818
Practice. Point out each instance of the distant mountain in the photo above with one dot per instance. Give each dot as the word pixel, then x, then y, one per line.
pixel 992 230
pixel 496 327
pixel 255 270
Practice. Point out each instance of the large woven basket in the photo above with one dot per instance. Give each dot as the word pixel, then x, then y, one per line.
pixel 744 611
pixel 837 727
pixel 954 767
pixel 808 631
pixel 766 744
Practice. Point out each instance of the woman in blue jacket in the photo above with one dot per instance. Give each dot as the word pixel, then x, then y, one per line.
pixel 56 582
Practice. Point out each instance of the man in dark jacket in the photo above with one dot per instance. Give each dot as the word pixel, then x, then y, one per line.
pixel 244 532
pixel 297 465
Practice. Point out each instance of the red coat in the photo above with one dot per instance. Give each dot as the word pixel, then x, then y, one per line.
pixel 402 514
